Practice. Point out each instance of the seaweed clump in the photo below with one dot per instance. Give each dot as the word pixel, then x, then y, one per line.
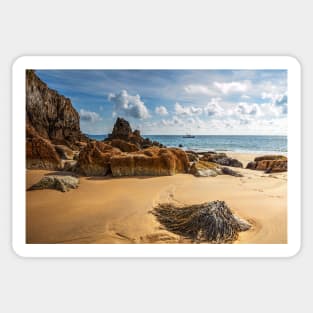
pixel 211 222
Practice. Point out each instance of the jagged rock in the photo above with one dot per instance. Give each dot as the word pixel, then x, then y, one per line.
pixel 40 153
pixel 94 159
pixel 221 158
pixel 62 183
pixel 192 156
pixel 69 166
pixel 123 145
pixel 51 114
pixel 269 164
pixel 204 169
pixel 123 131
pixel 211 222
pixel 228 171
pixel 153 161
pixel 64 152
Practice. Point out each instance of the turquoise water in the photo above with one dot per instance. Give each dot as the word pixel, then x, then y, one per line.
pixel 254 144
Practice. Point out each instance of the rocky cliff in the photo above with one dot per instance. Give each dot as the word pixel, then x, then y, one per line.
pixel 51 114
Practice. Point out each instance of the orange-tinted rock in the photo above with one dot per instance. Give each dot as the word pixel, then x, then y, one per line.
pixel 269 164
pixel 94 159
pixel 272 166
pixel 153 161
pixel 40 153
pixel 123 145
pixel 270 157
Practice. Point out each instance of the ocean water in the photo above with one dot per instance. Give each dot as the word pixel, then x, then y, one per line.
pixel 236 143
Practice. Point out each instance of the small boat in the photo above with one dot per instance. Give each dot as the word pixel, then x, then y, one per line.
pixel 188 136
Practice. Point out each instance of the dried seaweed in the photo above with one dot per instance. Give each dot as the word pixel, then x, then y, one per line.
pixel 211 222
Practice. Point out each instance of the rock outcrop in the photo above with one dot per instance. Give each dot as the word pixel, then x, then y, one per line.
pixel 220 158
pixel 269 164
pixel 152 161
pixel 50 114
pixel 95 159
pixel 123 132
pixel 62 183
pixel 40 153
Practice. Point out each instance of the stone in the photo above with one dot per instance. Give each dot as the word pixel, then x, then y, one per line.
pixel 221 158
pixel 95 158
pixel 50 114
pixel 123 145
pixel 123 131
pixel 64 152
pixel 40 153
pixel 152 161
pixel 62 183
pixel 192 156
pixel 269 164
pixel 204 169
pixel 228 171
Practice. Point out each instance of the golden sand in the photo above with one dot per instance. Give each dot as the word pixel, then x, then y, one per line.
pixel 117 210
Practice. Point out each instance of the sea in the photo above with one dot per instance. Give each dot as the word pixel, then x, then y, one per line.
pixel 232 143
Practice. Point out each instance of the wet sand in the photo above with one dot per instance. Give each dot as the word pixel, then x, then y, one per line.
pixel 117 210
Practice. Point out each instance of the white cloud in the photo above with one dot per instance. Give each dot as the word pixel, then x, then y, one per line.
pixel 244 108
pixel 129 105
pixel 213 107
pixel 161 110
pixel 245 97
pixel 198 89
pixel 232 87
pixel 187 111
pixel 89 116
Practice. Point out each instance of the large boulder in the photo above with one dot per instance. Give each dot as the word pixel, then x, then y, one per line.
pixel 62 183
pixel 94 159
pixel 204 169
pixel 220 158
pixel 152 161
pixel 40 153
pixel 269 164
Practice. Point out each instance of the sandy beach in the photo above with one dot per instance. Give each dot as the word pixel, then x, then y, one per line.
pixel 118 210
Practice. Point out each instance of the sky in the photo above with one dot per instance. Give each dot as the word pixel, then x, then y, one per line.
pixel 175 102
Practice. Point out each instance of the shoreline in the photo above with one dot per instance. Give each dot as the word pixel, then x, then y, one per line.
pixel 117 210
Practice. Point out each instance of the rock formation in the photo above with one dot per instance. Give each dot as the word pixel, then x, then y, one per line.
pixel 152 161
pixel 204 169
pixel 62 183
pixel 95 159
pixel 211 222
pixel 269 164
pixel 50 114
pixel 40 153
pixel 220 158
pixel 123 132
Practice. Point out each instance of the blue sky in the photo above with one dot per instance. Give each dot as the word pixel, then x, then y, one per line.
pixel 177 101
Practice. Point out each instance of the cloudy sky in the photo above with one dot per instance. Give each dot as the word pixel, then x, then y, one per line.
pixel 231 102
